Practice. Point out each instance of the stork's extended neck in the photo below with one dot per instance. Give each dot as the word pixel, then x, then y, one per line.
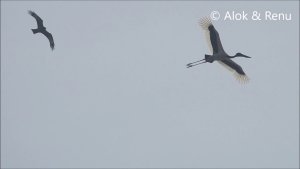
pixel 239 55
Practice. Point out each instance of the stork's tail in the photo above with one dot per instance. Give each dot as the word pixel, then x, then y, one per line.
pixel 35 31
pixel 209 58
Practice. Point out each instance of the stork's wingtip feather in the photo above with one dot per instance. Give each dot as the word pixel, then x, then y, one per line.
pixel 205 22
pixel 242 79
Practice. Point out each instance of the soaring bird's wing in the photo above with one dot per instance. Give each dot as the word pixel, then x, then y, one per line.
pixel 236 69
pixel 212 36
pixel 50 38
pixel 37 18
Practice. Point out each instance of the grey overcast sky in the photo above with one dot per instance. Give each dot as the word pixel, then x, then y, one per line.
pixel 116 92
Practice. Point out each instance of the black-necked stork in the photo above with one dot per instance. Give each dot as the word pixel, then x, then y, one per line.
pixel 219 54
pixel 41 28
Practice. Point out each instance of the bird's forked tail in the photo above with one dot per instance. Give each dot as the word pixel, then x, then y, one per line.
pixel 35 31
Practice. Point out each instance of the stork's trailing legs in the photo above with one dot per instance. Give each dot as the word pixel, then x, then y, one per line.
pixel 207 58
pixel 195 63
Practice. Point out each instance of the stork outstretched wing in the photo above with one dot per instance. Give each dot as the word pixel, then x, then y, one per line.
pixel 37 18
pixel 50 38
pixel 212 36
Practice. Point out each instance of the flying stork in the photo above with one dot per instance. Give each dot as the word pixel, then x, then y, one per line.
pixel 41 28
pixel 219 55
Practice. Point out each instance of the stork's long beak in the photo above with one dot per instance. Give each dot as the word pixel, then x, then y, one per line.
pixel 246 56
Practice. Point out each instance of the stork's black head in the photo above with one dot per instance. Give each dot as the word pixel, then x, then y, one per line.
pixel 241 55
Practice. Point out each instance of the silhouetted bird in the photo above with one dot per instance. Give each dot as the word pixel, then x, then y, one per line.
pixel 218 53
pixel 41 28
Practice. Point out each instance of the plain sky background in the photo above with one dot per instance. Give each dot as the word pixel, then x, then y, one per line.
pixel 116 92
